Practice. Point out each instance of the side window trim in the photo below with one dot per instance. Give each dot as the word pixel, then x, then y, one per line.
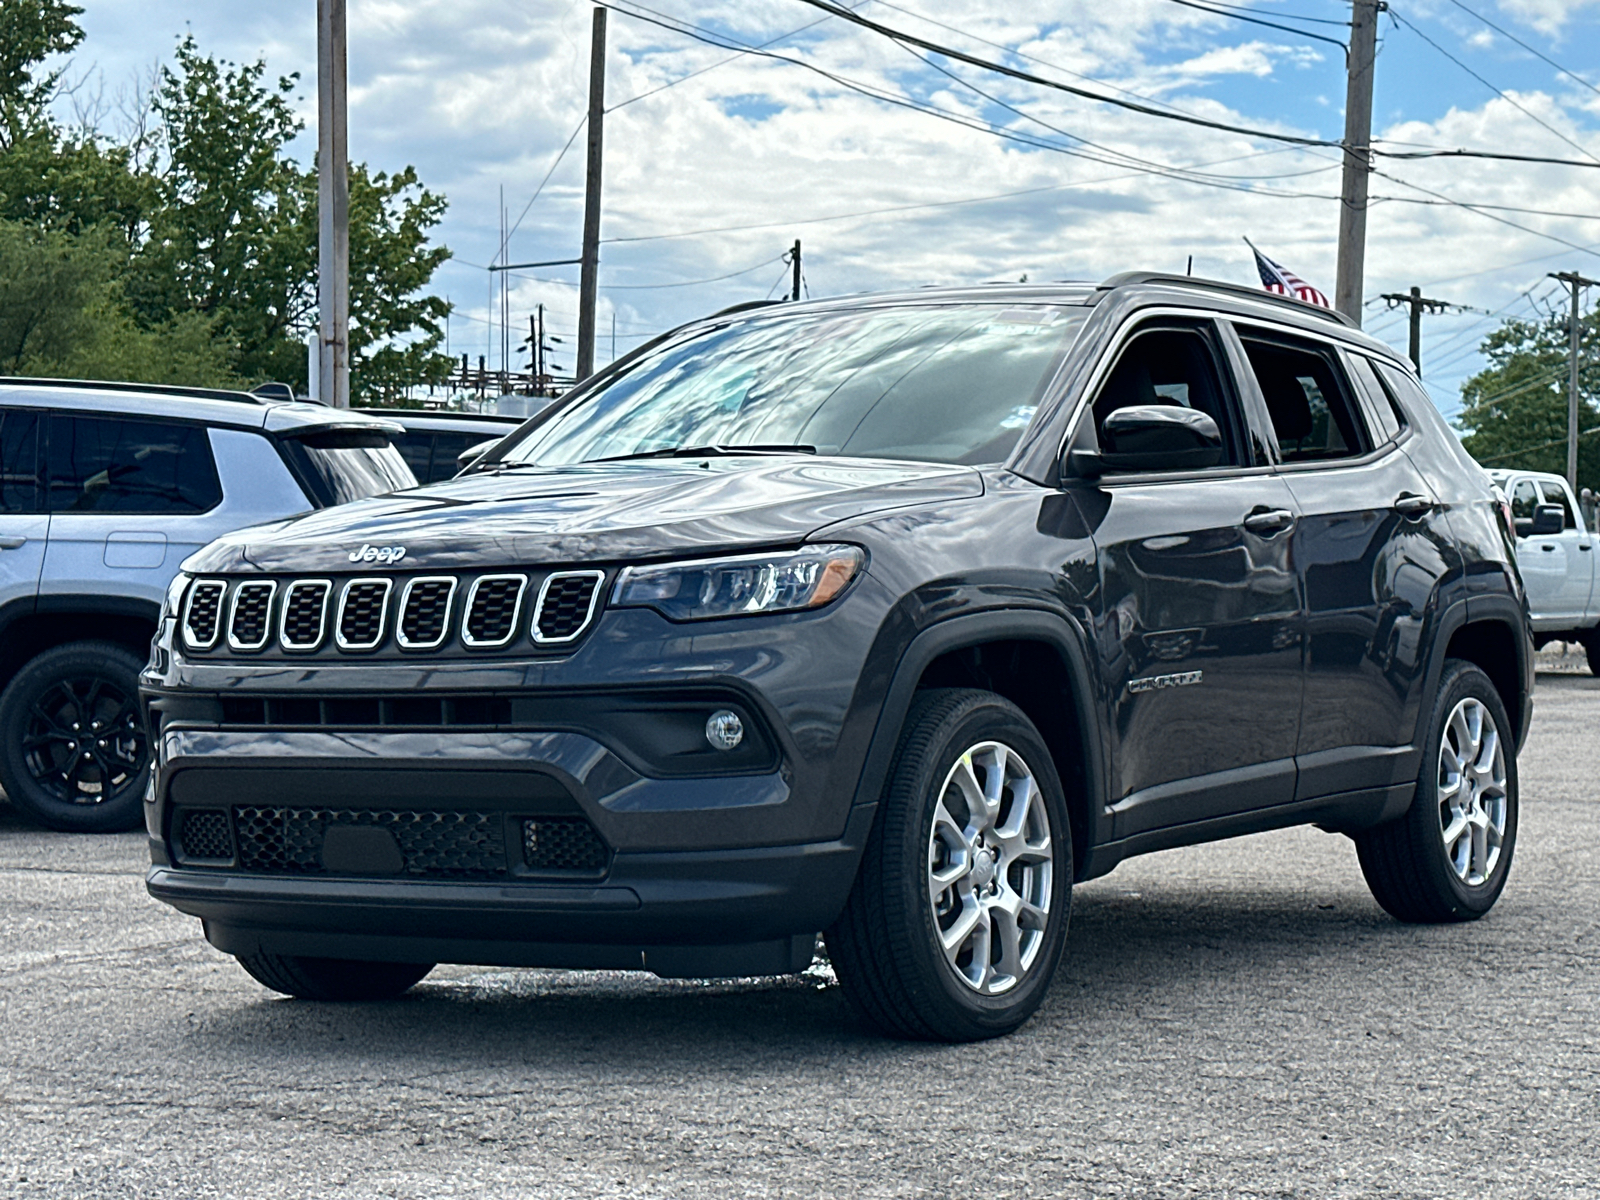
pixel 1364 373
pixel 1081 431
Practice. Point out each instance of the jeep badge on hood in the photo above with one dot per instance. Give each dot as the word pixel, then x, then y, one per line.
pixel 387 555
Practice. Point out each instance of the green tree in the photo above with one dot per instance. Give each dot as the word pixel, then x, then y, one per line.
pixel 31 31
pixel 1515 411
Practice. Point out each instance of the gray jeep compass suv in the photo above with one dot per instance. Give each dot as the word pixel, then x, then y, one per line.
pixel 890 617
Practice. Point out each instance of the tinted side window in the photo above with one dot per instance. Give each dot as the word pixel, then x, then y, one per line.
pixel 1383 409
pixel 19 461
pixel 417 450
pixel 1171 367
pixel 1524 499
pixel 1313 416
pixel 100 464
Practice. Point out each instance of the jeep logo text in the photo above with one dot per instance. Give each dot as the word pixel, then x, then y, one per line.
pixel 387 555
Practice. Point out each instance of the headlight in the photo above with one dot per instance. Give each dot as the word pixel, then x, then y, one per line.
pixel 731 587
pixel 175 590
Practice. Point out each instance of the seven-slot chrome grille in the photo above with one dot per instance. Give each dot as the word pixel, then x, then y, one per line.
pixel 492 611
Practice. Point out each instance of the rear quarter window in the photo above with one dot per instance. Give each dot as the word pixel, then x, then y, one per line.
pixel 115 465
pixel 337 466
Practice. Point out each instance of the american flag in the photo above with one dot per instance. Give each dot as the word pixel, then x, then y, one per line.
pixel 1284 281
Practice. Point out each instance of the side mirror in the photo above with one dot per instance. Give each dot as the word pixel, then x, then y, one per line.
pixel 473 453
pixel 1547 519
pixel 1154 437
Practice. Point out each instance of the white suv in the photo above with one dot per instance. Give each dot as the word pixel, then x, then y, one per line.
pixel 104 489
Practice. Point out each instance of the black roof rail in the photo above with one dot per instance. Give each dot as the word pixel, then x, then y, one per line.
pixel 155 389
pixel 744 306
pixel 1128 278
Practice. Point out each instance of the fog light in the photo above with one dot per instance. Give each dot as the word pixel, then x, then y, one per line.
pixel 724 730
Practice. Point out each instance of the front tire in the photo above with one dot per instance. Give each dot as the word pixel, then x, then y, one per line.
pixel 959 913
pixel 1448 857
pixel 74 754
pixel 338 979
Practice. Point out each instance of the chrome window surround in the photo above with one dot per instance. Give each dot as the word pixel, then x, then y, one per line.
pixel 599 578
pixel 239 590
pixel 188 609
pixel 516 612
pixel 405 598
pixel 383 613
pixel 322 616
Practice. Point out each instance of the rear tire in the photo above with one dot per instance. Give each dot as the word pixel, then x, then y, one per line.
pixel 959 913
pixel 1448 857
pixel 338 979
pixel 74 754
pixel 1591 650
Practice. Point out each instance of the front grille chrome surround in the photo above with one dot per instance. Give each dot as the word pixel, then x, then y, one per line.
pixel 202 614
pixel 561 581
pixel 481 614
pixel 251 612
pixel 429 607
pixel 371 596
pixel 298 606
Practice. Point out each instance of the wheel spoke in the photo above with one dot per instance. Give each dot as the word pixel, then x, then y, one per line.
pixel 38 713
pixel 1458 826
pixel 1003 922
pixel 957 934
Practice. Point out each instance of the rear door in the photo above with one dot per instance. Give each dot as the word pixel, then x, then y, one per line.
pixel 1371 548
pixel 127 498
pixel 24 522
pixel 1200 611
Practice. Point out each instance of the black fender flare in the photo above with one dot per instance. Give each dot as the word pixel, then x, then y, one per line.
pixel 1479 610
pixel 1052 627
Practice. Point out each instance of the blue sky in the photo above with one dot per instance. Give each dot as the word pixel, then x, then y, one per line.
pixel 481 95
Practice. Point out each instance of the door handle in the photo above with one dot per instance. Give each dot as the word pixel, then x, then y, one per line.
pixel 12 543
pixel 1583 545
pixel 1410 505
pixel 1548 549
pixel 1268 520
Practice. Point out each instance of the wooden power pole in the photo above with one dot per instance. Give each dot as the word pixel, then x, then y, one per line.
pixel 794 257
pixel 333 208
pixel 1357 158
pixel 1418 303
pixel 1576 283
pixel 589 277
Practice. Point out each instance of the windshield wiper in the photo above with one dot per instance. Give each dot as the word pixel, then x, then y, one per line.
pixel 713 451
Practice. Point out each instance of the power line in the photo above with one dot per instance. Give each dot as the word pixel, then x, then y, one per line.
pixel 1525 46
pixel 1480 211
pixel 1239 15
pixel 1399 20
pixel 615 287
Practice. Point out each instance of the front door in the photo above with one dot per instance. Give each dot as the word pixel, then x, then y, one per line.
pixel 24 523
pixel 1199 621
pixel 1573 549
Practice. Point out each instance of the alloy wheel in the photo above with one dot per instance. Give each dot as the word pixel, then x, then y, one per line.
pixel 83 742
pixel 1472 792
pixel 990 868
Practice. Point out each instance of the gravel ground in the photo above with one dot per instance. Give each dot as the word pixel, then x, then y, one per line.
pixel 1236 1020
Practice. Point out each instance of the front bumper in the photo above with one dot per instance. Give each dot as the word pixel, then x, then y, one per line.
pixel 686 914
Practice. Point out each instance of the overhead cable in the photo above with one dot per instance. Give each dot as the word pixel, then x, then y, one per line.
pixel 1238 15
pixel 1545 57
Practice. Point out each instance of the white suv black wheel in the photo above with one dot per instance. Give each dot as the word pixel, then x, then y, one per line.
pixel 1447 859
pixel 959 914
pixel 74 754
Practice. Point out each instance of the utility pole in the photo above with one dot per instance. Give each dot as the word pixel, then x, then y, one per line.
pixel 1417 303
pixel 589 281
pixel 1575 283
pixel 333 209
pixel 1357 157
pixel 794 257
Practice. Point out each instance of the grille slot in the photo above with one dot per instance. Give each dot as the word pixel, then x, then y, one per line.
pixel 562 844
pixel 493 605
pixel 335 712
pixel 250 615
pixel 204 833
pixel 202 617
pixel 566 604
pixel 363 607
pixel 283 840
pixel 305 614
pixel 425 612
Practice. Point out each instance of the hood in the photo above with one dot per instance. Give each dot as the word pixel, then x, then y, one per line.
pixel 591 513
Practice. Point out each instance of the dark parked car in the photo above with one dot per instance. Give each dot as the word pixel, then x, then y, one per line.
pixel 434 442
pixel 891 617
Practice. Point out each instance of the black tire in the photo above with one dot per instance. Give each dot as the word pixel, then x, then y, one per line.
pixel 74 754
pixel 332 978
pixel 1406 862
pixel 1591 650
pixel 886 946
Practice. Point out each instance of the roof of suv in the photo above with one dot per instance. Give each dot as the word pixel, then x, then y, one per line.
pixel 213 406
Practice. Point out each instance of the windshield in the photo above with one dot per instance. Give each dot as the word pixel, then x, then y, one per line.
pixel 343 465
pixel 943 383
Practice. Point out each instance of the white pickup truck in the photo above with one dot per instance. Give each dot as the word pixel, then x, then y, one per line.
pixel 1557 553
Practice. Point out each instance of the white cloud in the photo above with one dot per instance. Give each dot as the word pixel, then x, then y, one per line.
pixel 1547 16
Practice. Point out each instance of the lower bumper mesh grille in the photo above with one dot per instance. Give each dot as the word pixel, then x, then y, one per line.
pixel 286 840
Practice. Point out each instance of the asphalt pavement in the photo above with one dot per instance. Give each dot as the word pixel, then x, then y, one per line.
pixel 1234 1020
